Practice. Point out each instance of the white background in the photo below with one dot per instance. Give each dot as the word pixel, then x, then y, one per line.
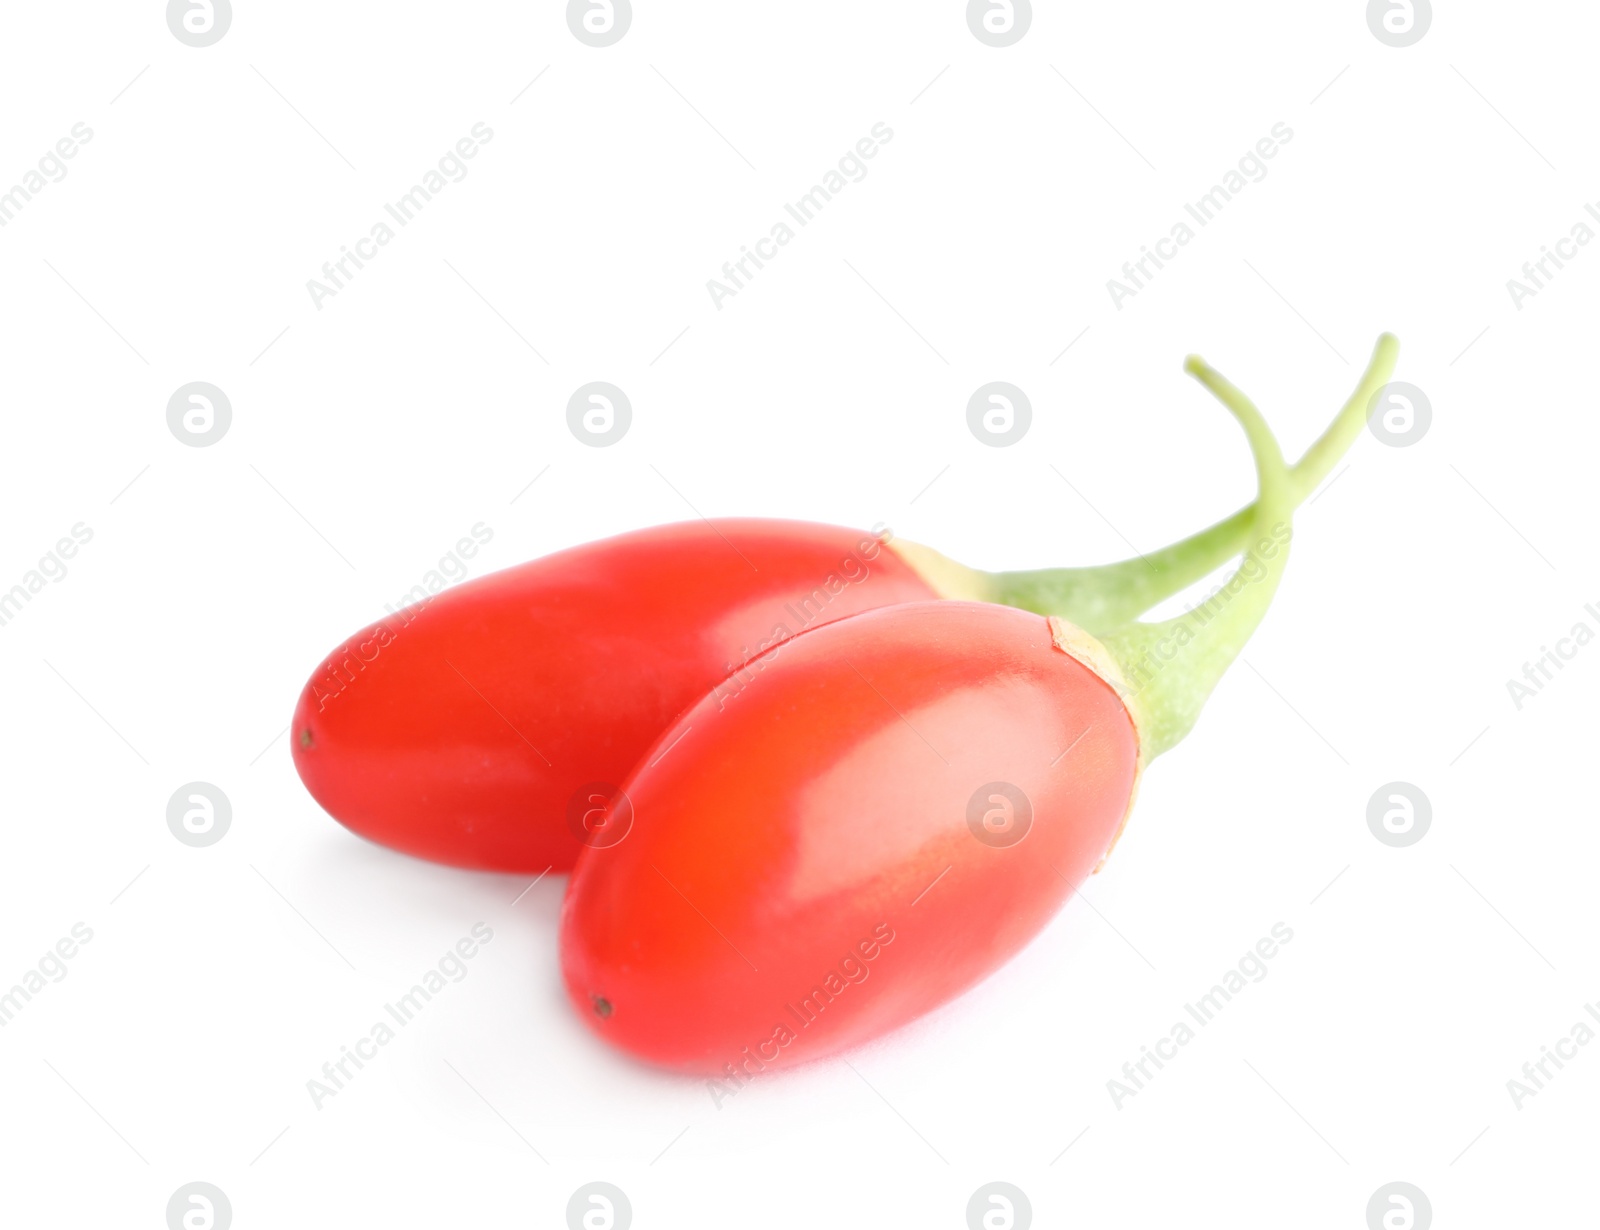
pixel 374 432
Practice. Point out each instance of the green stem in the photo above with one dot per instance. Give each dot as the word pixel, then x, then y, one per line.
pixel 1106 596
pixel 1169 668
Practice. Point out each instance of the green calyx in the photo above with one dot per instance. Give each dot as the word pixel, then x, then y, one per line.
pixel 1169 668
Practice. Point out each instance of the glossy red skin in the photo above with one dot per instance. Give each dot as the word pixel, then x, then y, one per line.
pixel 458 730
pixel 778 829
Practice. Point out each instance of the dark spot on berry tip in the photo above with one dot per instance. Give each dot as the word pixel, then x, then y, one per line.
pixel 602 1006
pixel 305 737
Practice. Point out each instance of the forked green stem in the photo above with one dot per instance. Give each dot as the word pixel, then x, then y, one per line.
pixel 1169 668
pixel 1106 596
